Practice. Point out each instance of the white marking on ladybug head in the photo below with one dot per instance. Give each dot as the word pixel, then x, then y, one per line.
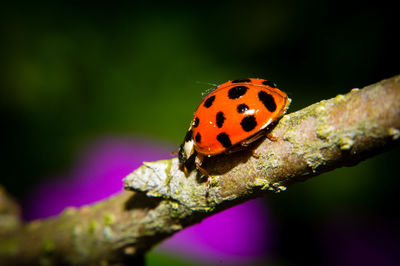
pixel 188 148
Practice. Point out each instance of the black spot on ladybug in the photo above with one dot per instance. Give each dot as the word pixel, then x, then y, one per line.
pixel 241 108
pixel 189 136
pixel 196 122
pixel 220 119
pixel 241 80
pixel 270 83
pixel 267 100
pixel 248 123
pixel 224 139
pixel 237 92
pixel 198 137
pixel 209 102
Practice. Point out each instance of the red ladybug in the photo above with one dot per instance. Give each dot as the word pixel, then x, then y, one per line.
pixel 235 114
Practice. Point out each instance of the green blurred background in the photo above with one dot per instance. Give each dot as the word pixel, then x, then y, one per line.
pixel 71 72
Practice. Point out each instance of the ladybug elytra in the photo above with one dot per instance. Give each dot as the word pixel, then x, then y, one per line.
pixel 234 114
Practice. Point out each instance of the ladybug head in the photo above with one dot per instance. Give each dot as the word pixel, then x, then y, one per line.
pixel 186 150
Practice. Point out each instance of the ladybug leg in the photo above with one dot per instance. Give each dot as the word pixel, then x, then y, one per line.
pixel 247 142
pixel 208 183
pixel 255 154
pixel 186 171
pixel 199 161
pixel 271 136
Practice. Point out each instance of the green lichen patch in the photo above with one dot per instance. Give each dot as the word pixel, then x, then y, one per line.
pixel 93 226
pixel 325 132
pixel 265 185
pixel 108 219
pixel 340 98
pixel 261 183
pixel 314 159
pixel 174 205
pixel 345 142
pixel 278 187
pixel 214 180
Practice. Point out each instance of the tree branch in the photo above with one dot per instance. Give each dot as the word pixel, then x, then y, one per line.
pixel 161 201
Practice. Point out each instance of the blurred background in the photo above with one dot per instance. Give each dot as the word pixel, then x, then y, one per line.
pixel 89 91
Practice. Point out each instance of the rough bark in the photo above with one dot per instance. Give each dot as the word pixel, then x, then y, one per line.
pixel 160 200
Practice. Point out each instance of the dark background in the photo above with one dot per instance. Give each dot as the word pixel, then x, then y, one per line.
pixel 70 72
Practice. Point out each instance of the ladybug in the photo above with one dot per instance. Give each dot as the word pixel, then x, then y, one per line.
pixel 229 118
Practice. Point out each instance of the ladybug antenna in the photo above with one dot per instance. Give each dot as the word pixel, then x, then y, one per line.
pixel 206 83
pixel 208 90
